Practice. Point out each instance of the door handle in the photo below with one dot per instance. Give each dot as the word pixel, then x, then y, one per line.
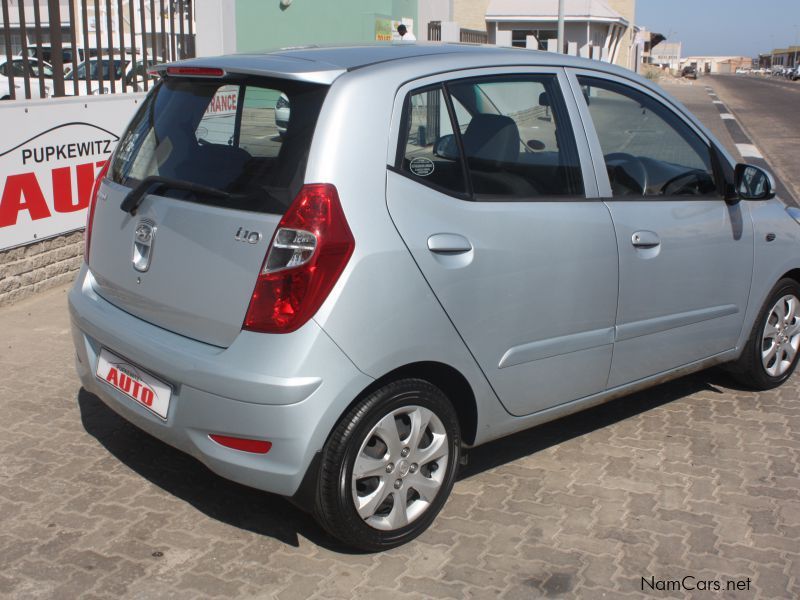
pixel 645 239
pixel 448 243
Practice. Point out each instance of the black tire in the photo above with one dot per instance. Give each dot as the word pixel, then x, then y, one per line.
pixel 334 506
pixel 749 370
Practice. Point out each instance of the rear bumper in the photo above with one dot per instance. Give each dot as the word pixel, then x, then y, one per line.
pixel 288 389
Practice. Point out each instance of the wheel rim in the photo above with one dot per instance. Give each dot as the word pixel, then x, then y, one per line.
pixel 400 468
pixel 781 337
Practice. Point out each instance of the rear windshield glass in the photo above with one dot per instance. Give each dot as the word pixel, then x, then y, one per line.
pixel 248 138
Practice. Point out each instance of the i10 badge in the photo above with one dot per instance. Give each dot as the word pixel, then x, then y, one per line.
pixel 129 379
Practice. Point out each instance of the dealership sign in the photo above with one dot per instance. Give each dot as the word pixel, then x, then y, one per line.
pixel 50 153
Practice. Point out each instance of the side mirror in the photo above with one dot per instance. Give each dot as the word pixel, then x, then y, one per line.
pixel 753 183
pixel 446 147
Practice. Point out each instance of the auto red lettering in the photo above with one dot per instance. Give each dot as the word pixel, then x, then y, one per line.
pixel 22 192
pixel 112 377
pixel 124 383
pixel 62 188
pixel 147 396
pixel 85 174
pixel 136 387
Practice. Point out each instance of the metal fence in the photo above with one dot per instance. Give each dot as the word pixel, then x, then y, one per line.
pixel 473 36
pixel 80 47
pixel 435 31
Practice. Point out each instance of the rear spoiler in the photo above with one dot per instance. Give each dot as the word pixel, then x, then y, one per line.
pixel 279 67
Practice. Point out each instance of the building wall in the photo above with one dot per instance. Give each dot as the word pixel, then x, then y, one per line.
pixel 667 53
pixel 215 22
pixel 29 269
pixel 625 55
pixel 716 64
pixel 470 14
pixel 264 25
pixel 573 32
pixel 433 10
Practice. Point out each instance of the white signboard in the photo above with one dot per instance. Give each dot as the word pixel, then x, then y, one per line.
pixel 50 152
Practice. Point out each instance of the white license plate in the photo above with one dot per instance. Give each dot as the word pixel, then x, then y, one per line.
pixel 129 379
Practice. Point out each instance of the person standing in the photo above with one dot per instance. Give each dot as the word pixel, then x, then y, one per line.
pixel 405 34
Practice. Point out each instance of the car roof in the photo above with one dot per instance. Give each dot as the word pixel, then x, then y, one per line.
pixel 323 64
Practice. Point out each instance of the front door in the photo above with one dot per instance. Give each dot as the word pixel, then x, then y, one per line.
pixel 489 195
pixel 685 255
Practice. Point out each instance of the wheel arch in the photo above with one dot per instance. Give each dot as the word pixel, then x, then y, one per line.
pixel 448 379
pixel 793 274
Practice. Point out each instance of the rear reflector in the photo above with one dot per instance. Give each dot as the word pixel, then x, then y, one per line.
pixel 196 71
pixel 245 445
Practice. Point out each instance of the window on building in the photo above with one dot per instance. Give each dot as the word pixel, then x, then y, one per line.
pixel 519 37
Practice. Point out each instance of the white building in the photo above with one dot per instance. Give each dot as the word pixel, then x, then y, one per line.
pixel 591 27
pixel 666 54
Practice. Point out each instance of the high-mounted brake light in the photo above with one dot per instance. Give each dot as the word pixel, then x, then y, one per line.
pixel 87 236
pixel 308 253
pixel 196 71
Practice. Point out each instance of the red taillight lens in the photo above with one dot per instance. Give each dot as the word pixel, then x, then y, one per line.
pixel 308 253
pixel 87 236
pixel 243 444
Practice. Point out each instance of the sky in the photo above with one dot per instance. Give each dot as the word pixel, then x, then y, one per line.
pixel 723 27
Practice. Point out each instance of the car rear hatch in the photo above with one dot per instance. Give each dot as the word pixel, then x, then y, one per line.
pixel 193 195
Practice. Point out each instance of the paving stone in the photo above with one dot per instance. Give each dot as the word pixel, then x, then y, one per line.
pixel 694 477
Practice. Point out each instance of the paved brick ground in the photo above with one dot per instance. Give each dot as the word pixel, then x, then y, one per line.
pixel 692 478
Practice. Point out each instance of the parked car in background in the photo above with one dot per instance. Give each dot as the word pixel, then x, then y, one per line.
pixel 19 70
pixel 90 71
pixel 47 54
pixel 450 244
pixel 795 74
pixel 282 113
pixel 689 72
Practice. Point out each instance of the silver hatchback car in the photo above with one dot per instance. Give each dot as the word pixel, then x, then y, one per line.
pixel 447 244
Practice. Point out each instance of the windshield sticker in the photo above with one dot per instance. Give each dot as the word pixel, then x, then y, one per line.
pixel 421 167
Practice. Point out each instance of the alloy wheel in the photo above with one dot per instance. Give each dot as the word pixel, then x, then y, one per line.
pixel 399 468
pixel 781 336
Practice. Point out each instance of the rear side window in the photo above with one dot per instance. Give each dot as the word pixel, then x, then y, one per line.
pixel 517 137
pixel 431 152
pixel 223 135
pixel 510 136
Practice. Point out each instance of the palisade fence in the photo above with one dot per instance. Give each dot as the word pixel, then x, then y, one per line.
pixel 473 36
pixel 80 47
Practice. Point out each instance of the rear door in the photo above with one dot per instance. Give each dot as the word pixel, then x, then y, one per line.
pixel 685 255
pixel 187 260
pixel 488 190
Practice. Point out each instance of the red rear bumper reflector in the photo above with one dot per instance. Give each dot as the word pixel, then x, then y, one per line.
pixel 254 446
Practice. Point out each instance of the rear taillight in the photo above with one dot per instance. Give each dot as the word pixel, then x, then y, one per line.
pixel 308 253
pixel 87 236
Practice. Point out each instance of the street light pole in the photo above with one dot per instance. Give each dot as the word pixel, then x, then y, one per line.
pixel 561 26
